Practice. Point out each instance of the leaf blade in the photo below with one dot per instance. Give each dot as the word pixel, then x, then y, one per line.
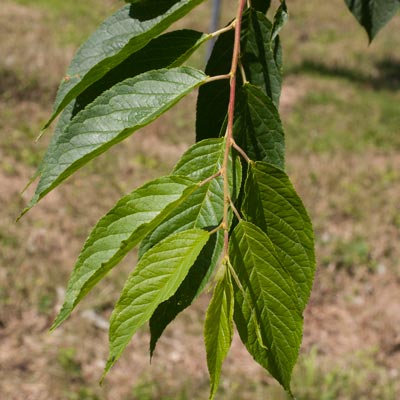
pixel 121 35
pixel 270 297
pixel 373 15
pixel 273 205
pixel 154 280
pixel 262 67
pixel 95 129
pixel 204 210
pixel 258 128
pixel 122 228
pixel 218 329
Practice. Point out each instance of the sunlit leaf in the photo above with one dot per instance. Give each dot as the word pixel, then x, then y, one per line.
pixel 156 278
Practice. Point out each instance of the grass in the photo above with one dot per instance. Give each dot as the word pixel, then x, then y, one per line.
pixel 342 123
pixel 72 23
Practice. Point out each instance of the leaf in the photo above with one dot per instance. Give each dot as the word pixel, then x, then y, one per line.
pixel 272 204
pixel 204 210
pixel 280 19
pixel 258 128
pixel 112 117
pixel 179 45
pixel 122 228
pixel 273 300
pixel 156 278
pixel 121 35
pixel 373 15
pixel 213 98
pixel 261 5
pixel 258 54
pixel 168 50
pixel 218 329
pixel 190 288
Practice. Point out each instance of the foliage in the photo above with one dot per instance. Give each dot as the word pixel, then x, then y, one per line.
pixel 228 209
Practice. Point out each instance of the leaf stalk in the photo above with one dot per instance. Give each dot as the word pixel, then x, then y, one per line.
pixel 231 111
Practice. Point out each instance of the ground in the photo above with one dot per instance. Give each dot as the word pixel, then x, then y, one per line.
pixel 340 111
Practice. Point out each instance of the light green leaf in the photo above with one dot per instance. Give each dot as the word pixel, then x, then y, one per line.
pixel 258 127
pixel 373 14
pixel 122 228
pixel 112 117
pixel 121 35
pixel 272 203
pixel 204 210
pixel 172 49
pixel 156 278
pixel 280 19
pixel 269 295
pixel 189 290
pixel 218 329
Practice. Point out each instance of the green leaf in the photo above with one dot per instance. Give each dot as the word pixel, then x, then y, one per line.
pixel 218 329
pixel 172 49
pixel 258 128
pixel 121 35
pixel 156 278
pixel 190 288
pixel 122 228
pixel 213 98
pixel 168 50
pixel 266 295
pixel 272 203
pixel 373 14
pixel 204 210
pixel 258 54
pixel 280 19
pixel 261 5
pixel 112 117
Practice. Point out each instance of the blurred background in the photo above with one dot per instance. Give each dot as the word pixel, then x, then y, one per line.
pixel 340 107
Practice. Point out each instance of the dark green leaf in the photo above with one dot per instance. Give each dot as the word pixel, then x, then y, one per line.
pixel 122 228
pixel 265 296
pixel 204 210
pixel 261 5
pixel 218 329
pixel 272 203
pixel 258 128
pixel 121 35
pixel 156 278
pixel 112 117
pixel 373 14
pixel 213 98
pixel 258 55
